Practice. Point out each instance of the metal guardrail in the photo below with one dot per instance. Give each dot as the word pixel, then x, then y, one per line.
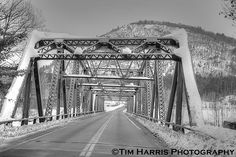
pixel 174 125
pixel 24 121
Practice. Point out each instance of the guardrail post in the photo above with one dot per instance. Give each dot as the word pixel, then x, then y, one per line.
pixel 35 120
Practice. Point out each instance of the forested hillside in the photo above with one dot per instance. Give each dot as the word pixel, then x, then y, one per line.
pixel 213 55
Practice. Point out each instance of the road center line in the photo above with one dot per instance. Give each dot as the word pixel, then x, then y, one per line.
pixel 88 149
pixel 132 122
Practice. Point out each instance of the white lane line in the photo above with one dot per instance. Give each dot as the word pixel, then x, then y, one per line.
pixel 88 149
pixel 132 122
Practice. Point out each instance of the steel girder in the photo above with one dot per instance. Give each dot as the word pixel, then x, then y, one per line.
pixel 102 85
pixel 116 93
pixel 114 41
pixel 110 56
pixel 108 77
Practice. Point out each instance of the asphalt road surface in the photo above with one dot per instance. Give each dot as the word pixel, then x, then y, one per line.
pixel 107 134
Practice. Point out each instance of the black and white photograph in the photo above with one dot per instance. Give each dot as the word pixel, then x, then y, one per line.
pixel 125 78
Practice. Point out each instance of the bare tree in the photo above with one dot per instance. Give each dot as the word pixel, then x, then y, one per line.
pixel 229 10
pixel 17 19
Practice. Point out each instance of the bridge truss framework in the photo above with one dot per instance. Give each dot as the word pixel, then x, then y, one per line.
pixel 88 72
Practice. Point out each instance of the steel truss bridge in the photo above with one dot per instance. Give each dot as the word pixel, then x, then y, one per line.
pixel 88 72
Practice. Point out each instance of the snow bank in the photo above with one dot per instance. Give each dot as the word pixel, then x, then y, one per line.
pixel 191 140
pixel 192 90
pixel 14 91
pixel 219 133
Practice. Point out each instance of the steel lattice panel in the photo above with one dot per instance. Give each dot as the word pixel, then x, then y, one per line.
pixel 109 56
pixel 52 99
pixel 114 41
pixel 161 90
pixel 149 88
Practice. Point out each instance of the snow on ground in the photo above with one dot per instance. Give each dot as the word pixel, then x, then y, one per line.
pixel 219 132
pixel 225 138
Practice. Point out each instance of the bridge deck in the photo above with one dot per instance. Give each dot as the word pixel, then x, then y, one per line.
pixel 99 134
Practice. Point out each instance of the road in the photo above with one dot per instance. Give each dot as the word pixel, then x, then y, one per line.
pixel 95 136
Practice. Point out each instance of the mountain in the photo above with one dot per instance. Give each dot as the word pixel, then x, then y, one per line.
pixel 213 54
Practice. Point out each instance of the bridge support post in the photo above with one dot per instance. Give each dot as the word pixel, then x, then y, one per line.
pixel 91 102
pixel 74 99
pixel 128 106
pixel 59 90
pixel 156 97
pixel 78 101
pixel 103 103
pixel 149 89
pixel 139 109
pixel 187 103
pixel 52 99
pixel 143 99
pixel 176 91
pixel 27 91
pixel 64 90
pixel 134 104
pixel 172 94
pixel 38 91
pixel 153 101
pixel 179 98
pixel 98 103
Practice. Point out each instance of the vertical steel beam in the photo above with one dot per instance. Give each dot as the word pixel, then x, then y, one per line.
pixel 161 103
pixel 153 100
pixel 103 103
pixel 74 100
pixel 27 91
pixel 52 99
pixel 98 103
pixel 140 101
pixel 59 92
pixel 149 89
pixel 64 89
pixel 94 103
pixel 187 103
pixel 156 99
pixel 85 107
pixel 134 104
pixel 144 99
pixel 172 94
pixel 91 101
pixel 179 98
pixel 38 90
pixel 78 102
pixel 97 106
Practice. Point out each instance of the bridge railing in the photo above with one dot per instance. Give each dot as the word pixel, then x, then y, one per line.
pixel 180 128
pixel 25 121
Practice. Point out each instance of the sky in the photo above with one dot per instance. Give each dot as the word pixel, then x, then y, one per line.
pixel 91 18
